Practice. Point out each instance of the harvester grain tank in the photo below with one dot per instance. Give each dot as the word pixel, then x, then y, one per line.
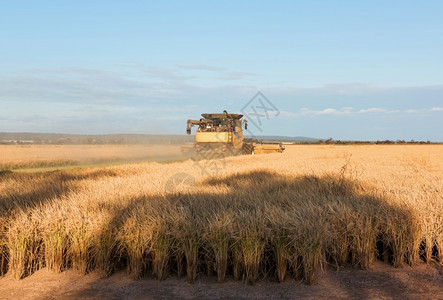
pixel 224 132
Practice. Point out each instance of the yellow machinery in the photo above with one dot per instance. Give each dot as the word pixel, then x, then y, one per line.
pixel 225 132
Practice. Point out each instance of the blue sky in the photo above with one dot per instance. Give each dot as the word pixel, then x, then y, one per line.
pixel 341 69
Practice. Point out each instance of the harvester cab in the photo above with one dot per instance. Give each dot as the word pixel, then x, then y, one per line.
pixel 225 132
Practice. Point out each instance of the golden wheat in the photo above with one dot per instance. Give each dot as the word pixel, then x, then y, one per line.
pixel 245 216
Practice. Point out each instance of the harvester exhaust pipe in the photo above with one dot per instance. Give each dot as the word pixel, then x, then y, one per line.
pixel 188 127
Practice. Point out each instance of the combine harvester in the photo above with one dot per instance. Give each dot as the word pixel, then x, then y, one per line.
pixel 224 132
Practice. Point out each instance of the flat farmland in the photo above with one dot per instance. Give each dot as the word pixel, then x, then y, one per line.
pixel 44 156
pixel 367 216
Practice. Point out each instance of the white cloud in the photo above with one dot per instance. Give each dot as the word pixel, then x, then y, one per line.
pixel 289 114
pixel 372 110
pixel 236 75
pixel 139 92
pixel 201 67
pixel 327 111
pixel 350 111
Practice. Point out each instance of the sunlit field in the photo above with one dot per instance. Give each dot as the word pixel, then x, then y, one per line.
pixel 50 156
pixel 242 217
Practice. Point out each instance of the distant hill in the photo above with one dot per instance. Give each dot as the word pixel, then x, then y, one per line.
pixel 61 138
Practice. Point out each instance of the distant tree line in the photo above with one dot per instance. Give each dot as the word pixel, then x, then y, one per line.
pixel 330 141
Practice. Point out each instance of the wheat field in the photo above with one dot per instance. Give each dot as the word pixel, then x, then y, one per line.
pixel 56 156
pixel 245 217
